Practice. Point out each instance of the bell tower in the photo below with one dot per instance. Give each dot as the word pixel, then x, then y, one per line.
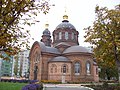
pixel 46 37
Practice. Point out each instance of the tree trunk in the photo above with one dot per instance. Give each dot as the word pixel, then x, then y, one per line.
pixel 117 61
pixel 118 67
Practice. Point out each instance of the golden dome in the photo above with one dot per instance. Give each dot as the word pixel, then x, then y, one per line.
pixel 46 25
pixel 65 17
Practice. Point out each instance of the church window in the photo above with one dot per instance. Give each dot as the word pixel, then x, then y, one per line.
pixel 72 35
pixel 36 57
pixel 53 68
pixel 60 35
pixel 55 37
pixel 66 35
pixel 76 37
pixel 77 68
pixel 88 68
pixel 64 69
pixel 96 70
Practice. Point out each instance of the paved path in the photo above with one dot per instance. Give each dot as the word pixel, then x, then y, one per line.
pixel 65 87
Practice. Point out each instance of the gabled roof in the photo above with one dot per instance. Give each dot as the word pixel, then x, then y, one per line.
pixel 52 50
pixel 46 48
pixel 59 59
pixel 62 43
pixel 73 49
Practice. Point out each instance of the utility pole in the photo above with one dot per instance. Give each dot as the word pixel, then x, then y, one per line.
pixel 0 68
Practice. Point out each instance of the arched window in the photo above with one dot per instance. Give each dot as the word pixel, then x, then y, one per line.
pixel 77 68
pixel 53 68
pixel 88 68
pixel 76 37
pixel 55 37
pixel 36 57
pixel 66 35
pixel 60 35
pixel 72 35
pixel 96 70
pixel 64 69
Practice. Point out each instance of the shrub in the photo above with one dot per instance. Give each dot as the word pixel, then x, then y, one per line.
pixel 50 81
pixel 34 85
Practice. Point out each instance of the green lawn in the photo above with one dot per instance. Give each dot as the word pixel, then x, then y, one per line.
pixel 11 86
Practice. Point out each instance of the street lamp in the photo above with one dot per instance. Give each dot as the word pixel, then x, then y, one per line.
pixel 0 68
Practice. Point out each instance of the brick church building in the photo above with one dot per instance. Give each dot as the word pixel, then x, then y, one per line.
pixel 62 59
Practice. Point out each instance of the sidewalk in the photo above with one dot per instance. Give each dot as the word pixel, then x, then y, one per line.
pixel 71 85
pixel 67 86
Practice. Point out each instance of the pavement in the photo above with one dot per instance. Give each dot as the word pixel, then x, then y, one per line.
pixel 65 87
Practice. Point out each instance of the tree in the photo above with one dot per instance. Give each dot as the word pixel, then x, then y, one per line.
pixel 14 15
pixel 16 65
pixel 104 35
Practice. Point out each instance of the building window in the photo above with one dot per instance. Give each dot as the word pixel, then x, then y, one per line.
pixel 64 69
pixel 37 57
pixel 77 68
pixel 96 70
pixel 88 68
pixel 72 35
pixel 66 35
pixel 60 35
pixel 76 37
pixel 53 68
pixel 55 37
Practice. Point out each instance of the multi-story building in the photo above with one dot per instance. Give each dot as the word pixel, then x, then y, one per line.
pixel 21 64
pixel 18 65
pixel 6 66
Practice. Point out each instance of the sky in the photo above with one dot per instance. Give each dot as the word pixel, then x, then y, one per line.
pixel 81 14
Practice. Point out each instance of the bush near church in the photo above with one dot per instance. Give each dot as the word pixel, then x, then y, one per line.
pixel 34 85
pixel 51 81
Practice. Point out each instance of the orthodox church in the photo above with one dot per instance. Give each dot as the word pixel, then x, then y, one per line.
pixel 62 59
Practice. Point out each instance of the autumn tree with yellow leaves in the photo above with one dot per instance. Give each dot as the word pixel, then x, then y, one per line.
pixel 104 35
pixel 14 15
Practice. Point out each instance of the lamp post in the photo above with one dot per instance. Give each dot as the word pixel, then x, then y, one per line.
pixel 0 68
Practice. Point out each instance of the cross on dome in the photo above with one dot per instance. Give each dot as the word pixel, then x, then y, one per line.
pixel 65 16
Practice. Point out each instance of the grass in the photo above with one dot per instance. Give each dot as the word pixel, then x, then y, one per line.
pixel 11 86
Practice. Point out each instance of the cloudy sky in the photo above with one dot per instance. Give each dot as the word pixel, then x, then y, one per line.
pixel 81 13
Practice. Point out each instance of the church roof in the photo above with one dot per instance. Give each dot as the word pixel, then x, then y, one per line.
pixel 52 50
pixel 48 49
pixel 73 49
pixel 42 45
pixel 62 43
pixel 46 32
pixel 59 59
pixel 65 24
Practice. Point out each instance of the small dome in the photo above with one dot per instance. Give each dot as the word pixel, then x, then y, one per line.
pixel 77 49
pixel 59 59
pixel 65 24
pixel 46 32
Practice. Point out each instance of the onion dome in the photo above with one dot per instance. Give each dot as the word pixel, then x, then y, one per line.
pixel 46 31
pixel 65 24
pixel 46 37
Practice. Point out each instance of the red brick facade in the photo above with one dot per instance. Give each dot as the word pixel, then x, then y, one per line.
pixel 63 58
